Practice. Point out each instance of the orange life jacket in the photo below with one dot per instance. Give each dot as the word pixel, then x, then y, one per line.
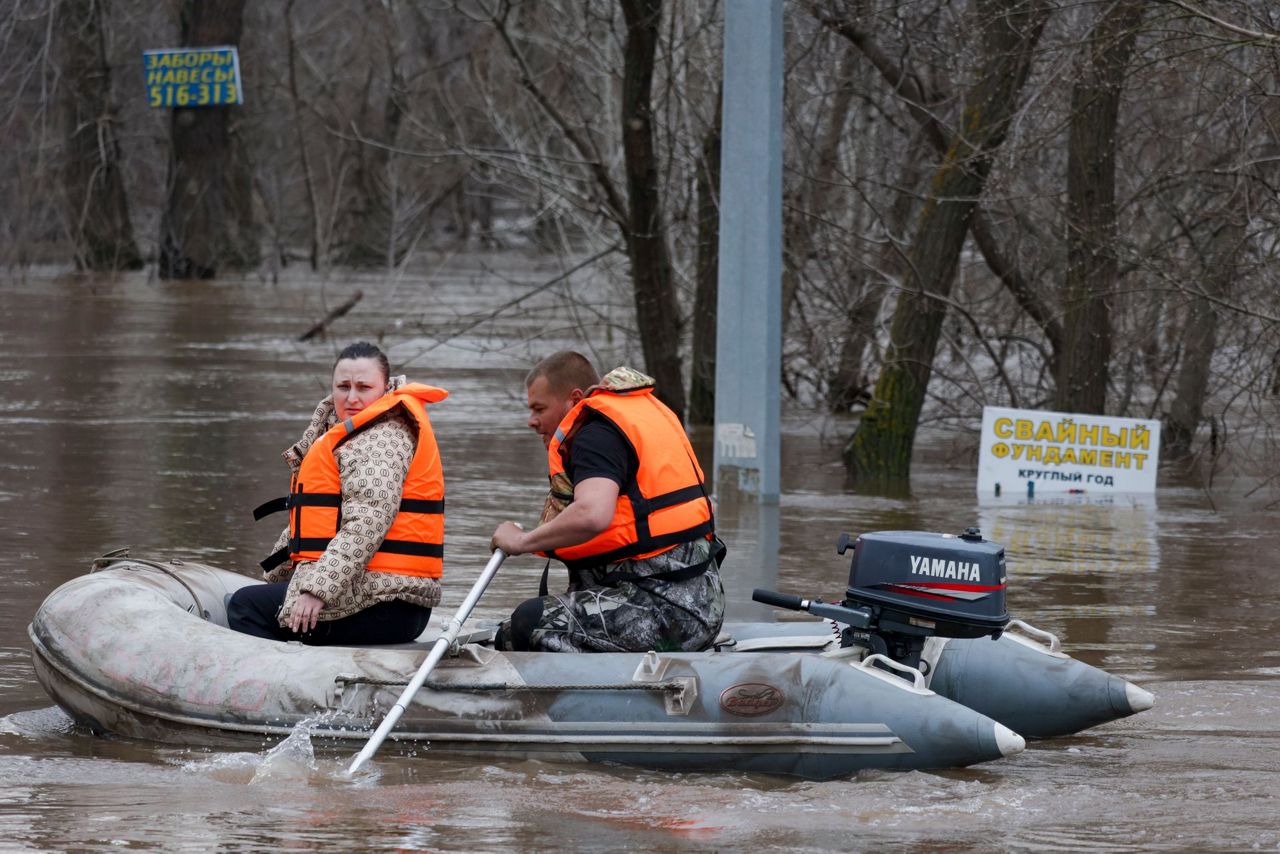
pixel 415 543
pixel 664 506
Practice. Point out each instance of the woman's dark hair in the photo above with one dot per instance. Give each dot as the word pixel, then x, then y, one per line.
pixel 365 350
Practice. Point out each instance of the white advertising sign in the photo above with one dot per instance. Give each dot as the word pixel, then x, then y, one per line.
pixel 1027 449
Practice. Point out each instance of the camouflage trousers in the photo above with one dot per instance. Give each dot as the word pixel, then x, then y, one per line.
pixel 629 616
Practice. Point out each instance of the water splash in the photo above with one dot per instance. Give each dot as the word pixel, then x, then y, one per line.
pixel 292 760
pixel 37 723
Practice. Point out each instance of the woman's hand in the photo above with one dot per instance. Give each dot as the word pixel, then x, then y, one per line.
pixel 305 613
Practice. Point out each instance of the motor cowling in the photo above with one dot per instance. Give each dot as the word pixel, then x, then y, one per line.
pixel 932 584
pixel 908 586
pixel 915 585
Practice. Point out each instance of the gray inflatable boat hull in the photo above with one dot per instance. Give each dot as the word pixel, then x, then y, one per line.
pixel 1023 679
pixel 140 649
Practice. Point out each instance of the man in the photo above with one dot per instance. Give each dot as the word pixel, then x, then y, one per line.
pixel 627 513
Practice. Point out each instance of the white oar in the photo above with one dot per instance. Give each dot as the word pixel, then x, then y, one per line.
pixel 437 652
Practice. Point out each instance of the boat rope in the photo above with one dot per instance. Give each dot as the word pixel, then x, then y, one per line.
pixel 112 558
pixel 673 686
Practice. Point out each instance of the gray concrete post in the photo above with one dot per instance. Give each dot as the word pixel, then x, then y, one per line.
pixel 749 306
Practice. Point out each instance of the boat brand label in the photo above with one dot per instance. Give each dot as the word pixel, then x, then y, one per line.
pixel 750 699
pixel 939 567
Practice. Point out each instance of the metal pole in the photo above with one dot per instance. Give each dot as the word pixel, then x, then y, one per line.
pixel 749 305
pixel 449 635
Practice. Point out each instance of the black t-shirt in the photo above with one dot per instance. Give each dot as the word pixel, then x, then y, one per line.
pixel 599 449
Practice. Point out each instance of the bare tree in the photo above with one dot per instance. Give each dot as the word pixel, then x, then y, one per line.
pixel 1200 338
pixel 202 229
pixel 880 449
pixel 634 207
pixel 97 210
pixel 1129 180
pixel 657 312
pixel 702 386
pixel 1092 268
pixel 849 383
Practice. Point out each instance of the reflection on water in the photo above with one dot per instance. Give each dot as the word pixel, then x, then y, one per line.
pixel 152 414
pixel 753 530
pixel 1052 534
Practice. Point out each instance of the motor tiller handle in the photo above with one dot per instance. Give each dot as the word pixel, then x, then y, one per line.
pixel 857 617
pixel 778 600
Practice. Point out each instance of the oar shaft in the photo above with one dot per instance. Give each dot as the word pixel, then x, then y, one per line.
pixel 450 634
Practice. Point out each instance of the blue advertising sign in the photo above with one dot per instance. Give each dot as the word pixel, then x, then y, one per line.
pixel 193 77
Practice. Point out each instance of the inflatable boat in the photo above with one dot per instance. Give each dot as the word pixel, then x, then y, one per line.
pixel 139 648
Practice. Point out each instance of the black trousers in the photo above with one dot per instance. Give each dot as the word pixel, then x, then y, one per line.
pixel 253 609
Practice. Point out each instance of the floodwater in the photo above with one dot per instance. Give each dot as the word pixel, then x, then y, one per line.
pixel 151 414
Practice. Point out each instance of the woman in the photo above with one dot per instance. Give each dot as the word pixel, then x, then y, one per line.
pixel 361 560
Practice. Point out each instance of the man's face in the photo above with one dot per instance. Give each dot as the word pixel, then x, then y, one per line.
pixel 547 408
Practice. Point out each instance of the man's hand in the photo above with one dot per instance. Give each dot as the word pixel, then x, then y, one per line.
pixel 590 512
pixel 305 613
pixel 511 538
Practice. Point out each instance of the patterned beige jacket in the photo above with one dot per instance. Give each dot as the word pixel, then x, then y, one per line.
pixel 372 466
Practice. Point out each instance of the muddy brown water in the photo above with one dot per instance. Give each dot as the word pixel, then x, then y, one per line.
pixel 151 414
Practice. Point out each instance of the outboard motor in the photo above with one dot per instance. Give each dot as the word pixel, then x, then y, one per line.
pixel 908 586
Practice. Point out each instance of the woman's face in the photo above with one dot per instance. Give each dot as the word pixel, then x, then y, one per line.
pixel 356 384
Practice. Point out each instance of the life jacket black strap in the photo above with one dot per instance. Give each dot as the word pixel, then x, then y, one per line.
pixel 275 505
pixel 310 544
pixel 650 544
pixel 409 547
pixel 542 584
pixel 328 499
pixel 274 559
pixel 297 499
pixel 642 508
pixel 670 499
pixel 684 573
pixel 315 499
pixel 319 544
pixel 395 547
pixel 422 505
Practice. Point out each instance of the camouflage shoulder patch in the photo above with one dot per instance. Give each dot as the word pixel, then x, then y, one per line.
pixel 625 379
pixel 562 487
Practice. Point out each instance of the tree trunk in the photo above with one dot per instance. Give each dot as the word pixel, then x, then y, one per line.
pixel 797 242
pixel 314 241
pixel 657 312
pixel 244 234
pixel 702 390
pixel 368 221
pixel 923 102
pixel 848 384
pixel 198 230
pixel 97 210
pixel 1081 381
pixel 879 452
pixel 1200 337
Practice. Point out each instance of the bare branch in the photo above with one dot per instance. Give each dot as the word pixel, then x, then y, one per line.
pixel 1255 35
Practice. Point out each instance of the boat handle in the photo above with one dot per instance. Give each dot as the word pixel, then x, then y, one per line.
pixel 870 661
pixel 1054 644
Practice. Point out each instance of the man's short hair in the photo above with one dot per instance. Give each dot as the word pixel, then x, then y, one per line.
pixel 564 371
